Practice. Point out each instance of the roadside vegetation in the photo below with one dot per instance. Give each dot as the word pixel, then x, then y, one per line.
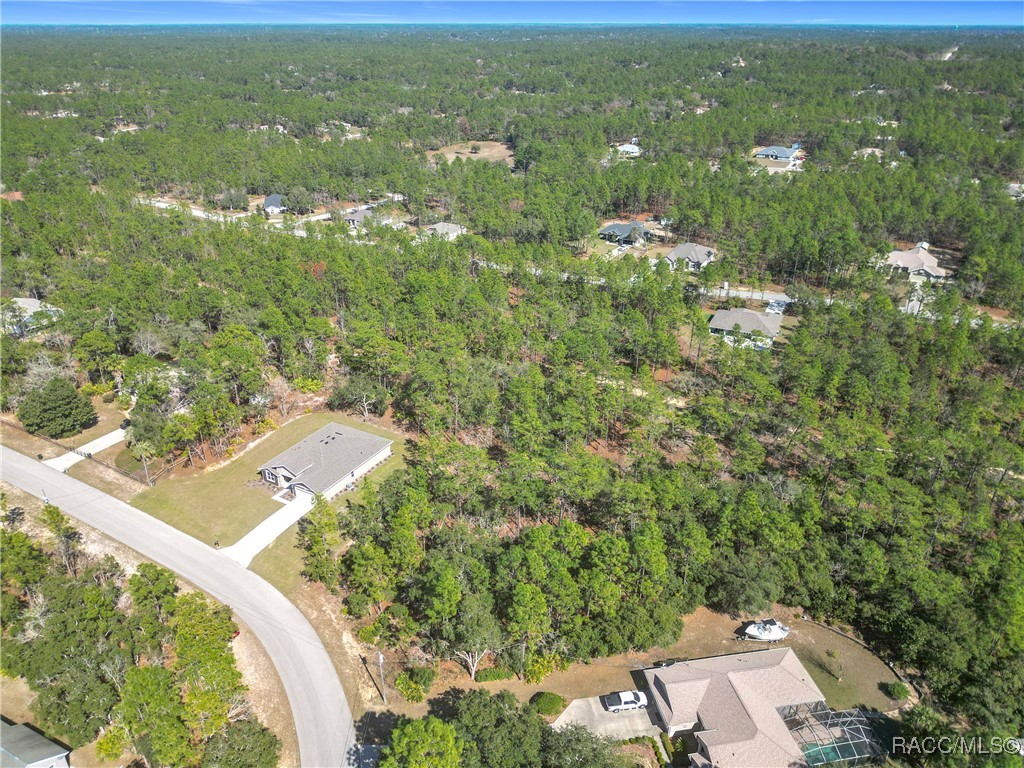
pixel 131 660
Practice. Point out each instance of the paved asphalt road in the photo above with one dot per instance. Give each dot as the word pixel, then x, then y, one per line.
pixel 322 717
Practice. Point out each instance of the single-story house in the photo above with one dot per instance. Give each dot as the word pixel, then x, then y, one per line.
pixel 917 262
pixel 629 150
pixel 731 705
pixel 22 316
pixel 867 152
pixel 692 257
pixel 358 217
pixel 633 232
pixel 21 747
pixel 326 461
pixel 445 230
pixel 786 154
pixel 756 328
pixel 273 204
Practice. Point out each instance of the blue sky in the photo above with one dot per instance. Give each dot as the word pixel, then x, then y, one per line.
pixel 803 12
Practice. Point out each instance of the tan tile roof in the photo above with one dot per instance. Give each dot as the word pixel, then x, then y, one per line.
pixel 736 699
pixel 916 259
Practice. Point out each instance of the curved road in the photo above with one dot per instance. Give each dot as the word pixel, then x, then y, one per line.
pixel 323 720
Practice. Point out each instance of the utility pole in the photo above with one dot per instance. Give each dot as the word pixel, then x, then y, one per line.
pixel 383 687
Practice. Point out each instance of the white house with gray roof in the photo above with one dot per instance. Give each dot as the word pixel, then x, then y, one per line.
pixel 21 747
pixel 775 152
pixel 445 230
pixel 746 327
pixel 327 461
pixel 692 257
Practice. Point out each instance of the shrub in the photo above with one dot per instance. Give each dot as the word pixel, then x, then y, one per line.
pixel 368 634
pixel 539 666
pixel 307 385
pixel 108 397
pixel 91 390
pixel 897 691
pixel 548 703
pixel 357 604
pixel 263 425
pixel 493 673
pixel 670 748
pixel 412 691
pixel 56 410
pixel 423 677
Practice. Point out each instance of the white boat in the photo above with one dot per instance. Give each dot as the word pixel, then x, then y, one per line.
pixel 766 630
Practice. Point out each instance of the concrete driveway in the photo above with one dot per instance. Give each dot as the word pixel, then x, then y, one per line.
pixel 264 534
pixel 591 714
pixel 71 458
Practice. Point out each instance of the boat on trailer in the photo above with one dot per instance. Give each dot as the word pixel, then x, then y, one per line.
pixel 767 631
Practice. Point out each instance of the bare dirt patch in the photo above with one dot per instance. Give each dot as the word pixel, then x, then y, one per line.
pixel 266 693
pixel 492 151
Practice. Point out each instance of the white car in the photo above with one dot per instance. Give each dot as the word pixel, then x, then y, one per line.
pixel 623 701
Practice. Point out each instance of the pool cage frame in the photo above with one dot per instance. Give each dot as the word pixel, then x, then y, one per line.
pixel 827 737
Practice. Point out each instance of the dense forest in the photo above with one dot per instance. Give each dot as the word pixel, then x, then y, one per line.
pixel 128 657
pixel 589 464
pixel 558 98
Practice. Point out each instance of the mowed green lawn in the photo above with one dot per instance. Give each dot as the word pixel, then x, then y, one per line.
pixel 225 504
pixel 281 562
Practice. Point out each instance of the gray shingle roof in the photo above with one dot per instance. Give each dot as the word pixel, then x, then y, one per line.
pixel 358 216
pixel 782 153
pixel 748 320
pixel 21 746
pixel 272 201
pixel 625 231
pixel 328 455
pixel 694 253
pixel 446 230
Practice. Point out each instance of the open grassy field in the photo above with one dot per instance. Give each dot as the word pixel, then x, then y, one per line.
pixel 494 151
pixel 227 502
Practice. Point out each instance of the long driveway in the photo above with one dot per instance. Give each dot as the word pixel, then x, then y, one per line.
pixel 323 720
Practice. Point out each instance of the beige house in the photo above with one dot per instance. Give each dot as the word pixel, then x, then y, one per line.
pixel 917 262
pixel 732 705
